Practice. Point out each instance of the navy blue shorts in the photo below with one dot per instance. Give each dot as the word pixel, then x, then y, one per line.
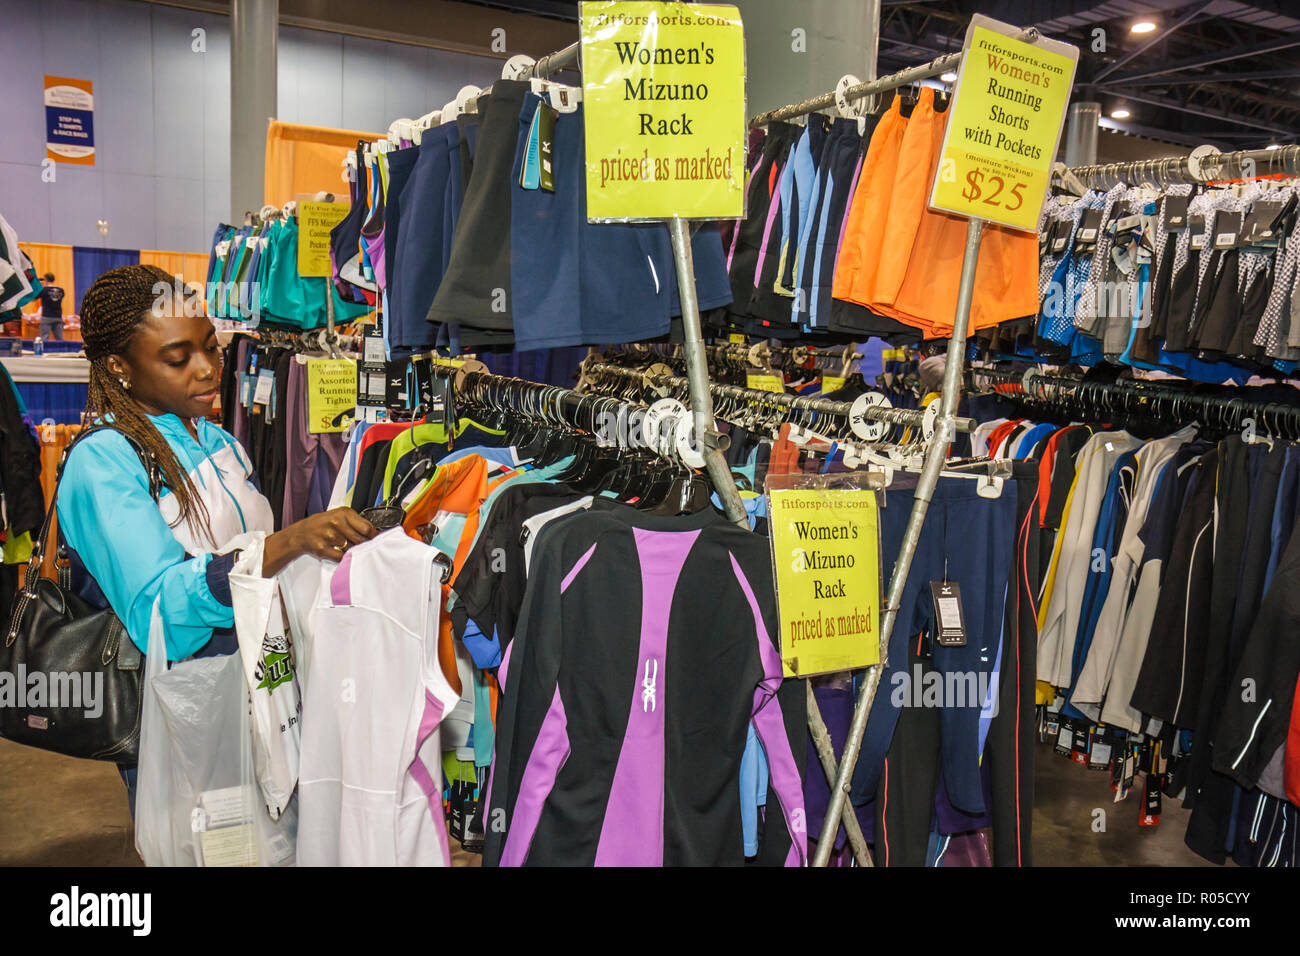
pixel 418 255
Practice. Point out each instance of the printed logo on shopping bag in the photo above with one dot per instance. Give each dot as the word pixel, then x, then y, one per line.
pixel 276 666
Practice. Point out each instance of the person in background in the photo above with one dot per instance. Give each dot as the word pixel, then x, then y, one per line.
pixel 51 309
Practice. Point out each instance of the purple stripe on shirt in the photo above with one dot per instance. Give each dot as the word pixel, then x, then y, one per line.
pixel 582 563
pixel 428 724
pixel 772 209
pixel 544 762
pixel 341 582
pixel 770 728
pixel 632 833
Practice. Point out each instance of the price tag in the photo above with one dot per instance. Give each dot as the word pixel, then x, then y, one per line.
pixel 331 394
pixel 1089 224
pixel 832 383
pixel 950 623
pixel 767 381
pixel 1004 125
pixel 1100 750
pixel 1065 739
pixel 1227 227
pixel 1173 213
pixel 315 220
pixel 265 383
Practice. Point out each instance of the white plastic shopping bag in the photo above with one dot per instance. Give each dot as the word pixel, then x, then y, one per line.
pixel 197 799
pixel 270 665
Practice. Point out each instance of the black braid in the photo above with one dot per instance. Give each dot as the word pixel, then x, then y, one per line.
pixel 111 311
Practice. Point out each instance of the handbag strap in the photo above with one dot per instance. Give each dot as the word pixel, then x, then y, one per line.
pixel 152 469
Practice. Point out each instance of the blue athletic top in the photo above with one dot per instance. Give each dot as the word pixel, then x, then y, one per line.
pixel 125 540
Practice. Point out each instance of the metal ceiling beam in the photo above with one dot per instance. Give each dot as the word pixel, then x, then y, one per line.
pixel 1208 114
pixel 1286 41
pixel 1182 21
pixel 1244 77
pixel 1178 137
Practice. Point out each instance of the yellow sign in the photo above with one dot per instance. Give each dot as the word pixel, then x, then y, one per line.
pixel 663 89
pixel 765 382
pixel 825 546
pixel 1004 125
pixel 315 220
pixel 331 394
pixel 832 383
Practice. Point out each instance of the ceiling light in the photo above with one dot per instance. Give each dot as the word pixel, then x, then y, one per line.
pixel 1143 26
pixel 1120 113
pixel 949 77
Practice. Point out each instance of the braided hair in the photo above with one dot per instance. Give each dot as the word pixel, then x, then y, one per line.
pixel 111 311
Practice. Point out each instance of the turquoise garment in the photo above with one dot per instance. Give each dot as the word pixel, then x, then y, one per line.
pixel 121 536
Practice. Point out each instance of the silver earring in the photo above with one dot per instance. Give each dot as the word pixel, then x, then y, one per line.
pixel 126 386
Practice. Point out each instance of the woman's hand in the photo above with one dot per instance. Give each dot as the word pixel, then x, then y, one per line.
pixel 327 535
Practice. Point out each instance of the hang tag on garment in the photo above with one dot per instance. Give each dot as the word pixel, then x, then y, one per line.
pixel 538 168
pixel 1149 815
pixel 530 172
pixel 1082 741
pixel 1196 226
pixel 1099 753
pixel 1227 229
pixel 1260 228
pixel 1127 771
pixel 1086 236
pixel 1173 213
pixel 950 621
pixel 1065 737
pixel 546 117
pixel 1059 240
pixel 372 347
pixel 1122 256
pixel 265 383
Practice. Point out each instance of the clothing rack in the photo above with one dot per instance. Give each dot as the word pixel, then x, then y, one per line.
pixel 825 406
pixel 551 402
pixel 1204 165
pixel 945 427
pixel 1177 401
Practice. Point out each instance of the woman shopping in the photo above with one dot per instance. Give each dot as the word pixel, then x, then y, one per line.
pixel 155 371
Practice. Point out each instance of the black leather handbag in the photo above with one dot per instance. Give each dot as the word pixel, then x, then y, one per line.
pixel 74 675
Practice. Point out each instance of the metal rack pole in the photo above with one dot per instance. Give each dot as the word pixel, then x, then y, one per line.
pixel 935 67
pixel 711 443
pixel 555 62
pixel 934 459
pixel 1244 163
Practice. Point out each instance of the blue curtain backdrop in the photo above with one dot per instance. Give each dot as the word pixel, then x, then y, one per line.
pixel 89 264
